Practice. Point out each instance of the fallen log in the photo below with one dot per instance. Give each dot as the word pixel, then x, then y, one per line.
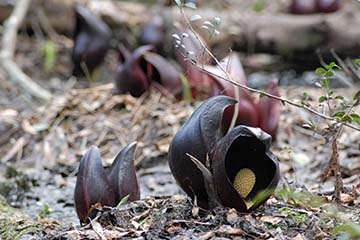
pixel 296 37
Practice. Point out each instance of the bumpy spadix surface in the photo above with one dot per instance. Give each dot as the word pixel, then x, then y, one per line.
pixel 244 182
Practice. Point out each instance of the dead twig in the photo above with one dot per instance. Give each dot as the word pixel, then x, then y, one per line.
pixel 333 168
pixel 17 76
pixel 17 148
pixel 228 76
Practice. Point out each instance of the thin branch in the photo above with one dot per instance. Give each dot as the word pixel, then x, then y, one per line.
pixel 207 50
pixel 229 78
pixel 17 76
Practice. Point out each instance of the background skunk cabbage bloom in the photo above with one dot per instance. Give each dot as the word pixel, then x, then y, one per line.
pixel 314 6
pixel 188 47
pixel 91 41
pixel 138 70
pixel 96 186
pixel 264 114
pixel 240 165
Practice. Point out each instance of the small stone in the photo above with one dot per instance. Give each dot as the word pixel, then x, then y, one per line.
pixel 232 216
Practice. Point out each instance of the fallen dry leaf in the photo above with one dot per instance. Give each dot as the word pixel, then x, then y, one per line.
pixel 232 216
pixel 347 198
pixel 298 237
pixel 271 219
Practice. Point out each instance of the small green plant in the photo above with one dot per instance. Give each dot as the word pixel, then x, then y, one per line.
pixel 123 201
pixel 299 198
pixel 347 231
pixel 44 211
pixel 338 109
pixel 259 5
pixel 338 106
pixel 298 217
pixel 186 88
pixel 50 55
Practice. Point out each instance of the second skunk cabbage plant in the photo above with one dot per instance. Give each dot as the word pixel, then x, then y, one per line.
pixel 218 169
pixel 264 114
pixel 328 6
pixel 97 186
pixel 314 6
pixel 303 7
pixel 139 69
pixel 91 41
pixel 248 114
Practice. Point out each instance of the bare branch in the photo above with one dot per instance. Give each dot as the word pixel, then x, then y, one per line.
pixel 229 79
pixel 17 76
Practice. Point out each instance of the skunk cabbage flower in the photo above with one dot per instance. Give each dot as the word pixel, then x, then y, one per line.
pixel 141 68
pixel 95 186
pixel 247 114
pixel 132 76
pixel 314 6
pixel 264 114
pixel 229 170
pixel 303 7
pixel 328 6
pixel 91 41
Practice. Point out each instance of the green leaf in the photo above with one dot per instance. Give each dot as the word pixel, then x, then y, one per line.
pixel 329 74
pixel 322 99
pixel 50 54
pixel 217 21
pixel 123 201
pixel 355 117
pixel 330 66
pixel 190 5
pixel 357 61
pixel 327 82
pixel 261 95
pixel 258 5
pixel 339 114
pixel 195 17
pixel 178 3
pixel 186 89
pixel 45 211
pixel 351 228
pixel 339 97
pixel 39 127
pixel 306 96
pixel 356 96
pixel 320 71
pixel 346 118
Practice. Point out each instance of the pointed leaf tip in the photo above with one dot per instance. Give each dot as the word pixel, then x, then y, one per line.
pixel 92 186
pixel 122 176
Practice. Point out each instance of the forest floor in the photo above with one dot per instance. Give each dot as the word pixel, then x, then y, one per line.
pixel 41 145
